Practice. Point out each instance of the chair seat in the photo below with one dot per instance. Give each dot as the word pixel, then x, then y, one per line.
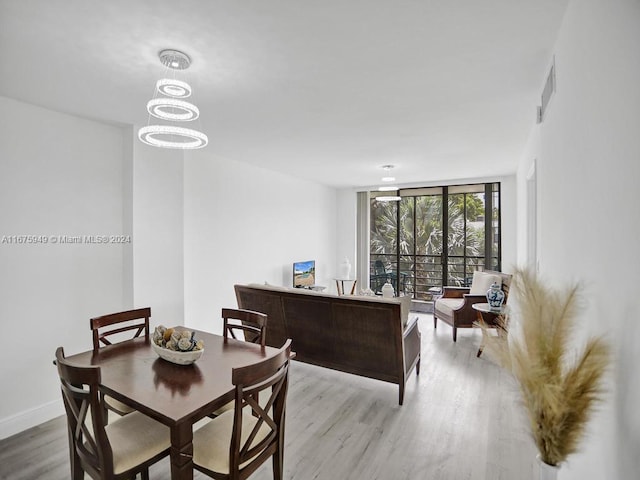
pixel 211 441
pixel 224 408
pixel 448 305
pixel 117 405
pixel 230 406
pixel 134 439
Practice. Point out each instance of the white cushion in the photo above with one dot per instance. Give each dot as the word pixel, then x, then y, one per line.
pixel 211 442
pixel 482 282
pixel 231 405
pixel 300 291
pixel 268 286
pixel 405 306
pixel 118 405
pixel 134 439
pixel 226 407
pixel 448 305
pixel 405 301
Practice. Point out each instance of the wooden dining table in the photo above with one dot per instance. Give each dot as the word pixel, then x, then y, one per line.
pixel 175 395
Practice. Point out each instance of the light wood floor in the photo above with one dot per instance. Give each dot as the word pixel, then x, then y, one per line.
pixel 461 420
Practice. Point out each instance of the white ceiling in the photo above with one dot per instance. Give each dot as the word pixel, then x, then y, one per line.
pixel 324 90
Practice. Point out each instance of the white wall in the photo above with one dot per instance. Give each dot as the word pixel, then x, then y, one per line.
pixel 588 159
pixel 158 249
pixel 244 224
pixel 508 215
pixel 346 219
pixel 64 175
pixel 59 175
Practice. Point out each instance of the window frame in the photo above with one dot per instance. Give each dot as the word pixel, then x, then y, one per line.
pixel 492 254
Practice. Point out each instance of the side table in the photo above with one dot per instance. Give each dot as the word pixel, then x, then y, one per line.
pixel 436 293
pixel 489 315
pixel 340 285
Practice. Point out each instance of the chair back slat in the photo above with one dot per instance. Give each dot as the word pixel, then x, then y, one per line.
pixel 252 324
pixel 271 375
pixel 136 320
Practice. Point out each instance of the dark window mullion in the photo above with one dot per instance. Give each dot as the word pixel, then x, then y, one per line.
pixel 398 229
pixel 415 246
pixel 465 242
pixel 488 228
pixel 445 236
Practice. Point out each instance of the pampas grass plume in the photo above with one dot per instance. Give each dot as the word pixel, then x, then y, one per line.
pixel 559 393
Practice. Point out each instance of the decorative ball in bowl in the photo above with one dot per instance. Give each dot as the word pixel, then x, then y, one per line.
pixel 177 346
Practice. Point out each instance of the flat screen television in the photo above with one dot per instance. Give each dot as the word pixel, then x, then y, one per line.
pixel 304 274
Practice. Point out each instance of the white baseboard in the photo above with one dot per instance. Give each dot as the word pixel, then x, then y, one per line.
pixel 30 418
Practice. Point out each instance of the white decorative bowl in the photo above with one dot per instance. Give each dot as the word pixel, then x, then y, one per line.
pixel 181 358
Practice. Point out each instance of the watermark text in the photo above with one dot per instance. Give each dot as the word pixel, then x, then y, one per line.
pixel 64 239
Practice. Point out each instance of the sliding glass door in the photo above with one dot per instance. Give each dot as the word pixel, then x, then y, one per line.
pixel 433 237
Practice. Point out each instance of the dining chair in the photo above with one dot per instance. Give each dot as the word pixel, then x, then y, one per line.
pixel 113 328
pixel 252 324
pixel 120 450
pixel 233 445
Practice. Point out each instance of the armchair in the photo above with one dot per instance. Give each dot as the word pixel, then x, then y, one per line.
pixel 455 306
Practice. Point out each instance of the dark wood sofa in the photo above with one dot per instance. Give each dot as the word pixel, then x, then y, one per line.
pixel 366 336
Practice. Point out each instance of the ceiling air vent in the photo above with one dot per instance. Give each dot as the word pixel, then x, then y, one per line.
pixel 547 92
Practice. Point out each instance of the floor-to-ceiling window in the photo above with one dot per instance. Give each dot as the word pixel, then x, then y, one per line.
pixel 429 237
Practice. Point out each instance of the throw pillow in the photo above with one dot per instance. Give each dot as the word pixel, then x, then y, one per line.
pixel 482 282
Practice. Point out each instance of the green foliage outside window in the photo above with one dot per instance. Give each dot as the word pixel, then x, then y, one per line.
pixel 411 230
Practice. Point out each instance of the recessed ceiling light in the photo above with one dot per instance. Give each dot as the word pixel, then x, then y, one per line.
pixel 387 179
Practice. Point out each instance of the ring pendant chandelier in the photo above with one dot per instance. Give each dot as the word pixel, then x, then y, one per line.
pixel 169 105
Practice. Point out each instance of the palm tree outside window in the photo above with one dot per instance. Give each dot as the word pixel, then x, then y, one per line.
pixel 435 236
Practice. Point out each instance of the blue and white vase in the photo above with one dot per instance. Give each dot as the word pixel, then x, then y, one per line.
pixel 495 296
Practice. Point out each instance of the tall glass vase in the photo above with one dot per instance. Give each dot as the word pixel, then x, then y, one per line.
pixel 546 471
